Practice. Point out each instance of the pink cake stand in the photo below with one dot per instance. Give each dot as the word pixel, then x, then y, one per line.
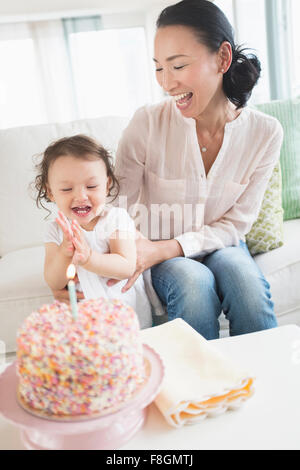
pixel 106 432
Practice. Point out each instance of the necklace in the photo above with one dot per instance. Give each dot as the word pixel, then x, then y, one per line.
pixel 203 148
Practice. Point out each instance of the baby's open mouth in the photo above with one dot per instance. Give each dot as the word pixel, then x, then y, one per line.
pixel 81 211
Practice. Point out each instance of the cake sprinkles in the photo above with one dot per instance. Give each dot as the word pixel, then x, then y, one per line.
pixel 87 366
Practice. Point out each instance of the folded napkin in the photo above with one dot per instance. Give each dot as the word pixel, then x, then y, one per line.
pixel 199 381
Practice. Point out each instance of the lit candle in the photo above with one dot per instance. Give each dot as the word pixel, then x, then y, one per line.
pixel 71 271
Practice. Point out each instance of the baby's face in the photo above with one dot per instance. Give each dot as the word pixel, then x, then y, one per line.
pixel 79 188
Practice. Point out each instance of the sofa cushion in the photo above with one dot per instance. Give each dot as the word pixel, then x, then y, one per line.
pixel 267 231
pixel 288 113
pixel 22 290
pixel 281 268
pixel 23 227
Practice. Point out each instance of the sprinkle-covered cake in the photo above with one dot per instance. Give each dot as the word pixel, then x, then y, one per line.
pixel 83 367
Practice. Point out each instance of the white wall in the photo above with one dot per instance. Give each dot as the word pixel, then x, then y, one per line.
pixel 20 10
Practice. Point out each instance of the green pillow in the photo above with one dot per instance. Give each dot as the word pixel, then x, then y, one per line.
pixel 267 231
pixel 288 113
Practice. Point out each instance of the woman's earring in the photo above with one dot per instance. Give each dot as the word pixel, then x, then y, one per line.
pixel 222 70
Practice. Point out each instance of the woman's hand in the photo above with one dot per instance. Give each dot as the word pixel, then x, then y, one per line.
pixel 82 249
pixel 67 245
pixel 148 254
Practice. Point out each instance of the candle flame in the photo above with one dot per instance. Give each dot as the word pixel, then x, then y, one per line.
pixel 71 271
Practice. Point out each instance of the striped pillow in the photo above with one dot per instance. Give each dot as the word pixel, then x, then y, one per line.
pixel 288 113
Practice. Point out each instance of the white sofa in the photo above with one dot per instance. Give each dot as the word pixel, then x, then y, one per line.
pixel 22 287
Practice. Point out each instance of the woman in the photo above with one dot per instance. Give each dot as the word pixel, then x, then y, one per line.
pixel 203 145
pixel 201 148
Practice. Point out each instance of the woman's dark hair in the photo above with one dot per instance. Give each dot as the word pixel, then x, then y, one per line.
pixel 212 28
pixel 78 146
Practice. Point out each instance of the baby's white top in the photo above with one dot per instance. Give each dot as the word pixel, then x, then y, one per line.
pixel 95 286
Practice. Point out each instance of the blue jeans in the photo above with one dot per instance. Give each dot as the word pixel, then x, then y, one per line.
pixel 226 280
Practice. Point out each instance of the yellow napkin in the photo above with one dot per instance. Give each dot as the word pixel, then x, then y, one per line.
pixel 199 381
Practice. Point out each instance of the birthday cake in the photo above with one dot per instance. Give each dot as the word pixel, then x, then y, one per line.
pixel 86 366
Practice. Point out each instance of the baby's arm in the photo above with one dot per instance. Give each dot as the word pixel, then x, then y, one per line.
pixel 120 263
pixel 58 258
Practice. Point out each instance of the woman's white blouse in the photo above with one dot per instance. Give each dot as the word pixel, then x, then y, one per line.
pixel 161 171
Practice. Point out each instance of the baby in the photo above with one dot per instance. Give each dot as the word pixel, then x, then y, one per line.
pixel 76 174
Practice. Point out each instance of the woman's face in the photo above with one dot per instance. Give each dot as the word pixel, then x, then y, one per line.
pixel 186 67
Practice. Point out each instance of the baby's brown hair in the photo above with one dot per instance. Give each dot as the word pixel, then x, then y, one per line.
pixel 78 146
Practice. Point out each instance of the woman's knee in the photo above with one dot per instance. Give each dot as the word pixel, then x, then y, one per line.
pixel 188 289
pixel 236 272
pixel 243 290
pixel 184 278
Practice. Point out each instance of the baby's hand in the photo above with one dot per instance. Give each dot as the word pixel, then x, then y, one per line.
pixel 67 245
pixel 82 249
